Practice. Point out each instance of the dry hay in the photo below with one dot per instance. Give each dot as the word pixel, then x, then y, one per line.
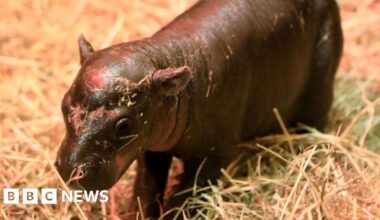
pixel 334 176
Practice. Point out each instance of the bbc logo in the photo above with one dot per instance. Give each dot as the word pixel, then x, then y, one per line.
pixel 50 196
pixel 29 196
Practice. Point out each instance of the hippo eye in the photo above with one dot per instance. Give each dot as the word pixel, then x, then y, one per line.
pixel 122 127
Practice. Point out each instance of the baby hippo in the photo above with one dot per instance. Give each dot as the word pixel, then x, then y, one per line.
pixel 197 88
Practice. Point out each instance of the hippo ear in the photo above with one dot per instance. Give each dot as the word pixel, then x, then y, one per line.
pixel 85 49
pixel 169 82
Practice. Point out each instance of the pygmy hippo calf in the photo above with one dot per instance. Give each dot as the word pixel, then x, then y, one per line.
pixel 196 89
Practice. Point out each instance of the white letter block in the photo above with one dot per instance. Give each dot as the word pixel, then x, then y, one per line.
pixel 49 196
pixel 30 196
pixel 11 196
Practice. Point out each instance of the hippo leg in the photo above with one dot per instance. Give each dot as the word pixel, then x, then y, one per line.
pixel 201 171
pixel 150 183
pixel 318 95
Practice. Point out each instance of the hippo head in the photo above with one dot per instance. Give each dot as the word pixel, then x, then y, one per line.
pixel 119 106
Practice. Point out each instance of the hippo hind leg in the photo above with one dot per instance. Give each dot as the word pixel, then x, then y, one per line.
pixel 318 96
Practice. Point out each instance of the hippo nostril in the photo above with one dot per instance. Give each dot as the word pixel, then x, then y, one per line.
pixel 83 169
pixel 82 173
pixel 80 170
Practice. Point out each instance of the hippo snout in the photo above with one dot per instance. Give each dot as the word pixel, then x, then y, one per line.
pixel 90 172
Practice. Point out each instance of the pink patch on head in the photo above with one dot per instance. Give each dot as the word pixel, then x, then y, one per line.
pixel 112 114
pixel 97 114
pixel 76 117
pixel 83 120
pixel 95 80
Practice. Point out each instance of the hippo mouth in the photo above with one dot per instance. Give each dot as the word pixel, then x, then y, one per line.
pixel 88 177
pixel 95 175
pixel 94 171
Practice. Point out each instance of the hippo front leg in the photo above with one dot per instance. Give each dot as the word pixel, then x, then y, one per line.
pixel 152 174
pixel 199 170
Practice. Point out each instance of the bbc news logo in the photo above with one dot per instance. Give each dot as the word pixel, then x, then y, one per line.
pixel 51 196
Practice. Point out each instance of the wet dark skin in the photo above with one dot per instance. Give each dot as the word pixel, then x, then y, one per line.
pixel 196 89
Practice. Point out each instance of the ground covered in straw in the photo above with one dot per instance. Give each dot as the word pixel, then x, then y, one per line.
pixel 335 175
